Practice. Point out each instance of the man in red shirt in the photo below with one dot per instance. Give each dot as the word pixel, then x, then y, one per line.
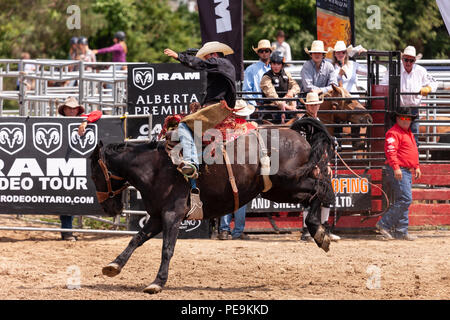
pixel 402 157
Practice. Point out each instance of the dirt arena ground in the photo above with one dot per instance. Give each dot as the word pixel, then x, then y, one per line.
pixel 40 266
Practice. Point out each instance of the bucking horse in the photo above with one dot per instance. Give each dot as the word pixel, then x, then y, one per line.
pixel 165 192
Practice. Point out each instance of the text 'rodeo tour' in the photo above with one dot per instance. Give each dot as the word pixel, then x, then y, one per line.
pixel 59 174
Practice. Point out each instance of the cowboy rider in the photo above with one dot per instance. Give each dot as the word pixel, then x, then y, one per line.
pixel 220 86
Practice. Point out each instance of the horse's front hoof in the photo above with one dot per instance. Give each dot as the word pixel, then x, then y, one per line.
pixel 152 289
pixel 322 239
pixel 111 270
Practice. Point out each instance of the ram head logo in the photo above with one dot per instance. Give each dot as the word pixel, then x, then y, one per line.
pixel 12 137
pixel 143 78
pixel 86 143
pixel 47 137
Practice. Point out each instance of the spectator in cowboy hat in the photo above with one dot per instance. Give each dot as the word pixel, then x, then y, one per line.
pixel 317 73
pixel 345 68
pixel 282 46
pixel 71 108
pixel 413 78
pixel 402 159
pixel 254 72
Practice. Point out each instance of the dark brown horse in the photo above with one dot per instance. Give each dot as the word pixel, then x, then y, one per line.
pixel 165 192
pixel 357 117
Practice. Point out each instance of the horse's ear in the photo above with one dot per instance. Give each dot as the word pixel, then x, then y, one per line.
pixel 340 84
pixel 100 144
pixel 337 89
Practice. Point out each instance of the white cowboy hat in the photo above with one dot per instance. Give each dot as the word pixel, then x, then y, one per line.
pixel 316 47
pixel 213 46
pixel 244 108
pixel 263 44
pixel 70 102
pixel 411 51
pixel 340 46
pixel 312 98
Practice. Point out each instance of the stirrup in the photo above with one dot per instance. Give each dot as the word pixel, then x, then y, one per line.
pixel 196 211
pixel 194 175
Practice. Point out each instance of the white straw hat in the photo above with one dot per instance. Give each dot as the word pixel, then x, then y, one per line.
pixel 339 46
pixel 243 108
pixel 411 51
pixel 316 47
pixel 213 46
pixel 313 98
pixel 263 44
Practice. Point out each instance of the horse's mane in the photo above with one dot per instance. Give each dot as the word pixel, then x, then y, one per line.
pixel 115 148
pixel 321 143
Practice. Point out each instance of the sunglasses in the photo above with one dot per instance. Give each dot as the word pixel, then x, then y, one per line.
pixel 405 118
pixel 409 60
pixel 264 51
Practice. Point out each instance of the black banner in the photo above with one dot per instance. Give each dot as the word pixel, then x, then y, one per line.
pixel 352 194
pixel 161 90
pixel 222 20
pixel 45 166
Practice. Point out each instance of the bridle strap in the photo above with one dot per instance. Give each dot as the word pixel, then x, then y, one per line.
pixel 103 196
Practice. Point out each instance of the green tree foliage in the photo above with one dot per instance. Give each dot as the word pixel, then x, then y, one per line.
pixel 376 24
pixel 39 26
pixel 263 18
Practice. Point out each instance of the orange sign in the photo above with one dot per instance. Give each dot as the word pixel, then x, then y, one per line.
pixel 332 27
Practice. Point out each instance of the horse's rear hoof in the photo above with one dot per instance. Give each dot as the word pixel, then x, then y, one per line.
pixel 152 289
pixel 111 270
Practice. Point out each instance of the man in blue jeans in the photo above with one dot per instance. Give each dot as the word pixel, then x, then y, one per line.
pixel 402 157
pixel 239 225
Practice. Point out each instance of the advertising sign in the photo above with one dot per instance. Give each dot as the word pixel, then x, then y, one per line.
pixel 161 90
pixel 335 21
pixel 352 194
pixel 45 166
pixel 223 21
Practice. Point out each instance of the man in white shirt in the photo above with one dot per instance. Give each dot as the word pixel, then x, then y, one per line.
pixel 282 46
pixel 413 78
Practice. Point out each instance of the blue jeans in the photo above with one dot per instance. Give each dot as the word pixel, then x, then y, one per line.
pixel 187 142
pixel 397 214
pixel 239 222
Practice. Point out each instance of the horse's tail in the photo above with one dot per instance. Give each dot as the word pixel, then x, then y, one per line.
pixel 322 144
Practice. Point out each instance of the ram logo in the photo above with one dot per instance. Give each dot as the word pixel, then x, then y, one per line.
pixel 12 137
pixel 143 78
pixel 47 137
pixel 86 143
